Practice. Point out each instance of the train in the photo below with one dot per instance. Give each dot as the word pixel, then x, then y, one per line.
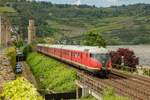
pixel 93 59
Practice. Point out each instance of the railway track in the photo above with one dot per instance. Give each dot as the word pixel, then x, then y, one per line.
pixel 136 78
pixel 135 90
pixel 134 87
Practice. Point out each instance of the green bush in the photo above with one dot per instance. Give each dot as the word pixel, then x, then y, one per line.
pixel 109 94
pixel 20 89
pixel 146 72
pixel 51 74
pixel 88 97
pixel 11 52
pixel 19 43
pixel 26 50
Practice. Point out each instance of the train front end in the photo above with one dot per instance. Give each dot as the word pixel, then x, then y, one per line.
pixel 102 60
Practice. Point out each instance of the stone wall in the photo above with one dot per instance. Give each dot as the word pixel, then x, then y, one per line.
pixel 5 31
pixel 6 71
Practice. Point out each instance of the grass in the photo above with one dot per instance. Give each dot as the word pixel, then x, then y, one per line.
pixel 109 94
pixel 89 97
pixel 7 9
pixel 51 74
pixel 11 52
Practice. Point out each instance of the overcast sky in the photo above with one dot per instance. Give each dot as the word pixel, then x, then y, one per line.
pixel 99 3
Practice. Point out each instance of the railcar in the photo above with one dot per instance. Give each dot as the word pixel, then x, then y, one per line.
pixel 90 58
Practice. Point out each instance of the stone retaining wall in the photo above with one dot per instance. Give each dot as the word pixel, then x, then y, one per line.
pixel 6 71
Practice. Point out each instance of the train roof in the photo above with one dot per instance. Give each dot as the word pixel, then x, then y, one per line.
pixel 91 49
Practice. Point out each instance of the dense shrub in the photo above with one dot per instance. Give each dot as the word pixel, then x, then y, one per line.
pixel 130 59
pixel 26 50
pixel 11 52
pixel 146 71
pixel 20 89
pixel 51 74
pixel 18 44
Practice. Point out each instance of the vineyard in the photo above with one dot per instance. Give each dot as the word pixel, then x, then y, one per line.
pixel 51 74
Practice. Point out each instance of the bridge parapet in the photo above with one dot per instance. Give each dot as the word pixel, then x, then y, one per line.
pixel 89 85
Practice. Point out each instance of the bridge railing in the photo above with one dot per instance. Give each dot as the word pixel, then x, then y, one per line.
pixel 90 83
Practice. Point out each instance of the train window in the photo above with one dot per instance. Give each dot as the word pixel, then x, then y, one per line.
pixel 90 55
pixel 76 55
pixel 69 53
pixel 72 54
pixel 100 57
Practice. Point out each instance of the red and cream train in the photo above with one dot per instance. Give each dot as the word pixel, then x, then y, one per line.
pixel 93 59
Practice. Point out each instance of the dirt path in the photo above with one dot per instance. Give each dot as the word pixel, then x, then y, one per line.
pixel 28 74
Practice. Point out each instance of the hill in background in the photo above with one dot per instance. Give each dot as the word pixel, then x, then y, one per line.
pixel 119 25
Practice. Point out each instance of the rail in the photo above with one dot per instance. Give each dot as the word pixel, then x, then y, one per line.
pixel 133 87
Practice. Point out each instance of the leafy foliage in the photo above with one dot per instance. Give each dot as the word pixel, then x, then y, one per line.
pixel 26 50
pixel 146 71
pixel 109 94
pixel 94 39
pixel 51 74
pixel 11 52
pixel 20 89
pixel 89 97
pixel 7 10
pixel 129 57
pixel 40 40
pixel 18 44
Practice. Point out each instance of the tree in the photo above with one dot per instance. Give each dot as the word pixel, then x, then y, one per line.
pixel 130 59
pixel 94 39
pixel 27 49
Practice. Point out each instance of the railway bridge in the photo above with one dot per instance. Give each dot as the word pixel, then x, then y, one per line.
pixel 86 85
pixel 134 87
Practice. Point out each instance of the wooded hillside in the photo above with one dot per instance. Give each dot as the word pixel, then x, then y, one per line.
pixel 119 25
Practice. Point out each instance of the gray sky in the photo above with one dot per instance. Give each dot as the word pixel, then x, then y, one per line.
pixel 99 3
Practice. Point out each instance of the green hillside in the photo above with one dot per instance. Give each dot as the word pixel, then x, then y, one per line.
pixel 7 10
pixel 119 25
pixel 124 30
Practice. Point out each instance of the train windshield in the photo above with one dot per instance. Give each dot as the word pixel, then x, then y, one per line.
pixel 103 58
